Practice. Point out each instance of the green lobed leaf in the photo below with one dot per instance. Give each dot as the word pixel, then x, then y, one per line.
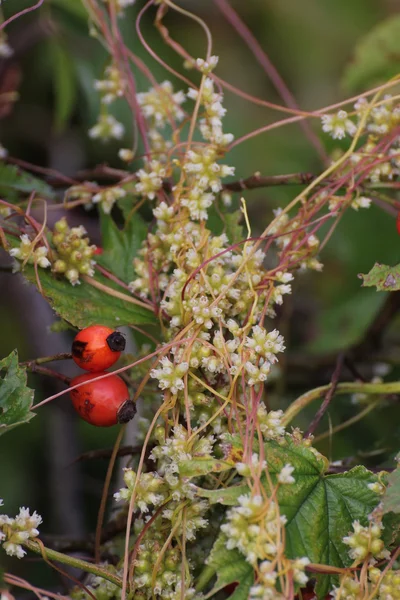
pixel 319 508
pixel 120 246
pixel 15 397
pixel 83 305
pixel 376 57
pixel 230 566
pixel 14 179
pixel 391 498
pixel 383 277
pixel 64 83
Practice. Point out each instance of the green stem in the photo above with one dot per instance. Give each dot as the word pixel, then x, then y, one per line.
pixel 342 388
pixel 347 423
pixel 74 562
pixel 205 576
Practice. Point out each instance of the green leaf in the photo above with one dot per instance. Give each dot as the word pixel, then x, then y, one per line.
pixel 227 496
pixel 391 530
pixel 391 498
pixel 343 324
pixel 64 83
pixel 120 246
pixel 225 222
pixel 320 509
pixel 83 305
pixel 233 229
pixel 230 566
pixel 15 397
pixel 13 178
pixel 202 466
pixel 376 57
pixel 74 7
pixel 383 277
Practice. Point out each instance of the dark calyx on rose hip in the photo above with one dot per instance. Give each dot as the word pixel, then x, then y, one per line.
pixel 126 412
pixel 116 341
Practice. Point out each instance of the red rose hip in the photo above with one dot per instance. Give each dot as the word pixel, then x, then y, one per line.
pixel 102 403
pixel 97 347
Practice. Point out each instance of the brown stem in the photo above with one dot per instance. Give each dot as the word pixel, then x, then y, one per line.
pixel 259 181
pixel 46 359
pixel 269 68
pixel 107 452
pixel 34 368
pixel 373 335
pixel 328 397
pixel 104 496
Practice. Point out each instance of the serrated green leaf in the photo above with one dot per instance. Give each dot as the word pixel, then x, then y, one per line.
pixel 64 83
pixel 15 397
pixel 383 277
pixel 202 466
pixel 376 57
pixel 83 305
pixel 120 246
pixel 320 509
pixel 14 179
pixel 230 566
pixel 391 498
pixel 391 530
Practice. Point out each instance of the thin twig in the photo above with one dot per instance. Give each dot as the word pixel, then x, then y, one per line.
pixel 269 68
pixel 106 453
pixel 328 397
pixel 259 181
pixel 34 368
pixel 374 333
pixel 46 359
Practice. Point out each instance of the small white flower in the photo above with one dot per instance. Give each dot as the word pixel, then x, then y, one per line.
pixel 207 66
pixel 126 154
pixel 338 125
pixel 108 197
pixel 170 375
pixel 5 49
pixel 106 128
pixel 14 549
pixel 361 202
pixel 161 104
pixel 150 179
pixel 285 476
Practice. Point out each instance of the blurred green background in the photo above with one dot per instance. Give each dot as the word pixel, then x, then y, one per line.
pixel 311 42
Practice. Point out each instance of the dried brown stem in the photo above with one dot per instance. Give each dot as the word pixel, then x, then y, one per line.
pixel 34 368
pixel 259 181
pixel 328 397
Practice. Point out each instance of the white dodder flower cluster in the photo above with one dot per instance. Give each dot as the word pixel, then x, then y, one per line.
pixel 372 122
pixel 253 527
pixel 30 253
pixel 16 531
